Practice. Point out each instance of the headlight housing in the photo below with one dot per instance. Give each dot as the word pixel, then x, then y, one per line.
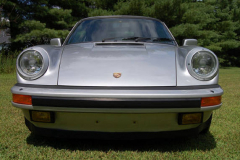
pixel 32 64
pixel 202 64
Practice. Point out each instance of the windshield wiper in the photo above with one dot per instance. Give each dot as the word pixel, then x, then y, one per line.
pixel 128 38
pixel 136 38
pixel 103 40
pixel 163 39
pixel 148 38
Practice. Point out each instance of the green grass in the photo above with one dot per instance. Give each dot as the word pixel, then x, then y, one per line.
pixel 222 142
pixel 8 62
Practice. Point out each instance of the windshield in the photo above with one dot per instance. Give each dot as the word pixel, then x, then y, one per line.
pixel 121 29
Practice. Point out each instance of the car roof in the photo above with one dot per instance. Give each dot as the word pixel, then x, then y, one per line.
pixel 120 16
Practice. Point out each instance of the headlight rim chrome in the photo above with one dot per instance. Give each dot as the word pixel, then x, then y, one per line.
pixel 45 64
pixel 190 67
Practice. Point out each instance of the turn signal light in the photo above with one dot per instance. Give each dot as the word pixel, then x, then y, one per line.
pixel 22 99
pixel 210 101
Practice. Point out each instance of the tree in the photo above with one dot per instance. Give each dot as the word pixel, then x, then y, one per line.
pixel 35 22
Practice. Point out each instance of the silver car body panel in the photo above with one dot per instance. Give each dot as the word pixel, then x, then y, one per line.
pixel 140 65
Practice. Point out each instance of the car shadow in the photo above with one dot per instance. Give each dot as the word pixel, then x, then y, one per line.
pixel 201 142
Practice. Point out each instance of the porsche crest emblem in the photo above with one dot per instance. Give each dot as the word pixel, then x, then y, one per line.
pixel 117 75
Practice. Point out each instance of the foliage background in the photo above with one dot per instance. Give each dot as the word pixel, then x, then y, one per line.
pixel 215 23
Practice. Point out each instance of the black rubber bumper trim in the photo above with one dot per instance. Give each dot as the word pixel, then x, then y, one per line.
pixel 116 102
pixel 120 87
pixel 116 135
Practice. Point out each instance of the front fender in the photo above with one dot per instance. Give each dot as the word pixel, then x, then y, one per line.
pixel 51 75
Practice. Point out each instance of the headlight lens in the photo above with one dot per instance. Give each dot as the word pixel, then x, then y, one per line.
pixel 31 62
pixel 203 64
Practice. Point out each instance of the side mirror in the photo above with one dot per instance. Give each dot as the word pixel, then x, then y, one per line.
pixel 189 42
pixel 55 42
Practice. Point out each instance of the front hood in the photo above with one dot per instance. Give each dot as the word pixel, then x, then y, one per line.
pixel 140 65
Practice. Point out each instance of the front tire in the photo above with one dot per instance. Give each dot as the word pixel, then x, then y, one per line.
pixel 206 129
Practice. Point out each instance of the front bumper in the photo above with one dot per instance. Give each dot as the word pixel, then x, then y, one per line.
pixel 166 99
pixel 116 109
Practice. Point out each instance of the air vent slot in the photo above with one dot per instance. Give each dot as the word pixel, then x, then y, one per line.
pixel 119 44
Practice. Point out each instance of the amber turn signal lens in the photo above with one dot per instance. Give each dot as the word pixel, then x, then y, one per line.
pixel 22 99
pixel 210 101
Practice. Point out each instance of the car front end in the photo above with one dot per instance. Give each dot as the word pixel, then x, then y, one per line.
pixel 117 87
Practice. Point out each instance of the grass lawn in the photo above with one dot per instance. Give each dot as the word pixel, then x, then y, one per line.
pixel 222 142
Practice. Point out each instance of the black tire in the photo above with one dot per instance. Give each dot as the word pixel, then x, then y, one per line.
pixel 206 129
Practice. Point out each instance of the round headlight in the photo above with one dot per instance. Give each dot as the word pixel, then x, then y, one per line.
pixel 32 64
pixel 202 65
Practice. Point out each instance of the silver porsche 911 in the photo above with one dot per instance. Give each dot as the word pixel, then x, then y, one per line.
pixel 117 77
